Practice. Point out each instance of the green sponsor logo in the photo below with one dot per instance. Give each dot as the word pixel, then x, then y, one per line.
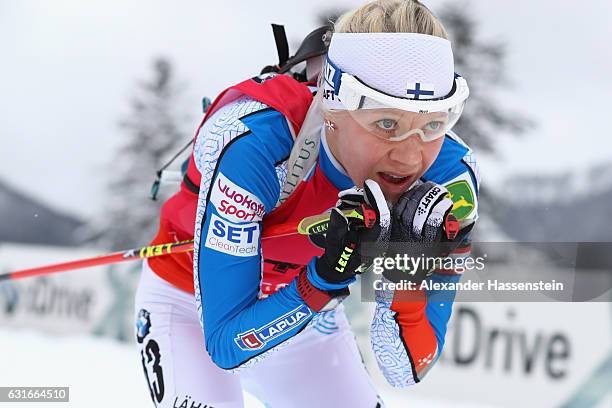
pixel 463 198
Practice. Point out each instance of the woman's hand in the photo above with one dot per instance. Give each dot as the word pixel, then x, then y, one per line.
pixel 345 253
pixel 420 214
pixel 422 225
pixel 325 281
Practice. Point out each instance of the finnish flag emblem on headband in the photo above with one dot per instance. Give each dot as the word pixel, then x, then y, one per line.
pixel 420 91
pixel 410 66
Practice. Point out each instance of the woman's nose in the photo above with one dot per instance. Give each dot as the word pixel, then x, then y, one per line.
pixel 408 152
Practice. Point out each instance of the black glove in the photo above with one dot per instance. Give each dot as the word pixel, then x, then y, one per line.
pixel 344 256
pixel 423 225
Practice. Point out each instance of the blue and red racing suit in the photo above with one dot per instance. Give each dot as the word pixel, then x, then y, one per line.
pixel 250 171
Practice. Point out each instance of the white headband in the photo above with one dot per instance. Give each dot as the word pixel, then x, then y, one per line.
pixel 404 65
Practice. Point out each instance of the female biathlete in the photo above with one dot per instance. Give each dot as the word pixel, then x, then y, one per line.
pixel 264 312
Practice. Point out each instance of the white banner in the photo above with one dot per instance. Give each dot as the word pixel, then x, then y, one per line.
pixel 521 354
pixel 97 300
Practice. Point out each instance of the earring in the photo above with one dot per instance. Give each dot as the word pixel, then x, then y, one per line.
pixel 330 125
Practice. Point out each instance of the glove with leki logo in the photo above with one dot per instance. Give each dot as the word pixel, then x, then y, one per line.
pixel 343 257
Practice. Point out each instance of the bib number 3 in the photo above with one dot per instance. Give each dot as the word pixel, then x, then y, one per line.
pixel 153 370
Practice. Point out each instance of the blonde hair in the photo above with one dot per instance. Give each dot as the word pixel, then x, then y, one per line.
pixel 391 16
pixel 385 16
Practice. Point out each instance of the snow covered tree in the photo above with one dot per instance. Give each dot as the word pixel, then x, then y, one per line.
pixel 482 63
pixel 155 128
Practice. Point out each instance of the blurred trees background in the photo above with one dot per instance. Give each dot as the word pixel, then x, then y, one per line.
pixel 483 63
pixel 155 128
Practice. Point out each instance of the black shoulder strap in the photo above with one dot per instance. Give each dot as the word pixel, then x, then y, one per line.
pixel 282 46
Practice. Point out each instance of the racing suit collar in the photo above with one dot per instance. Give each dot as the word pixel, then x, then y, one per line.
pixel 332 169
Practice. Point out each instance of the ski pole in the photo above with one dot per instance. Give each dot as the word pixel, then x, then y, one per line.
pixel 303 227
pixel 116 257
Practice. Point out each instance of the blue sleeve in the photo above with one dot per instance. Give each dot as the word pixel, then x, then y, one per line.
pixel 455 168
pixel 238 326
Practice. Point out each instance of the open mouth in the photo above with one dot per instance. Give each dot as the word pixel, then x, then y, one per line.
pixel 393 178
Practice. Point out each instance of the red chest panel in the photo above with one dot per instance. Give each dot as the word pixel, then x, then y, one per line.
pixel 285 256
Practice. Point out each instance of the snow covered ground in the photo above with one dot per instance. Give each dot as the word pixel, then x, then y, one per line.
pixel 102 372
